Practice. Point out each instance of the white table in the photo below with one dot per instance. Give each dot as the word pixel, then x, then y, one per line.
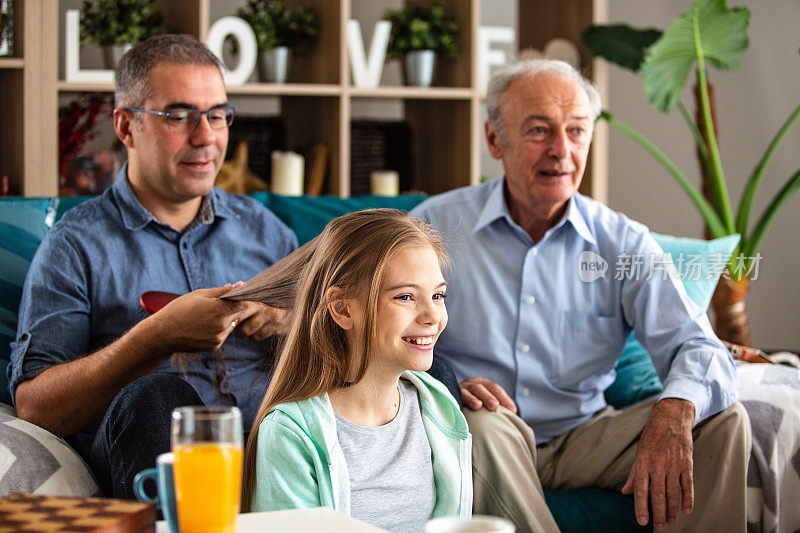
pixel 320 519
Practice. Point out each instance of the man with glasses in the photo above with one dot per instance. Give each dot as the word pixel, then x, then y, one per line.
pixel 88 363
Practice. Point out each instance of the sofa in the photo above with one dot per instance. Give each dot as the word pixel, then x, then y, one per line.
pixel 33 460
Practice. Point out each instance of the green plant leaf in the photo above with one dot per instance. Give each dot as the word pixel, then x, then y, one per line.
pixel 722 39
pixel 750 246
pixel 698 137
pixel 619 43
pixel 715 224
pixel 416 26
pixel 751 188
pixel 277 24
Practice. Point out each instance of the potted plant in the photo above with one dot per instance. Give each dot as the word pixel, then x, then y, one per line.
pixel 278 29
pixel 113 24
pixel 420 33
pixel 709 34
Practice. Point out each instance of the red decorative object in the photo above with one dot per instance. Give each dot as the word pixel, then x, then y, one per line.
pixel 76 126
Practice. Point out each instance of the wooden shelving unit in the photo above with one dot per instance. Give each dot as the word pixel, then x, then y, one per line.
pixel 28 108
pixel 446 120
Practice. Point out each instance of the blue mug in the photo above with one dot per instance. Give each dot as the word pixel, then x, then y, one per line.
pixel 165 499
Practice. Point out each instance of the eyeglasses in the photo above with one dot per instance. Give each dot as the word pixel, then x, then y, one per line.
pixel 186 120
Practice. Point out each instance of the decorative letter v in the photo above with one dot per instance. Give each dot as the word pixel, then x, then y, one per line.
pixel 367 73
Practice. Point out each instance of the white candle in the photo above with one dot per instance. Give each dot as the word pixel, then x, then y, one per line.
pixel 385 182
pixel 287 173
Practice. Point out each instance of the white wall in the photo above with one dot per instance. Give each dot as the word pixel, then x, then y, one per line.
pixel 752 103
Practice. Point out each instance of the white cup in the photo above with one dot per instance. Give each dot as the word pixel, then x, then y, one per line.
pixel 476 524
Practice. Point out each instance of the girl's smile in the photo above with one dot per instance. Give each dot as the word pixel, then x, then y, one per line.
pixel 423 343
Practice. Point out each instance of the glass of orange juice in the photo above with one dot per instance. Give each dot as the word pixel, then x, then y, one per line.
pixel 207 443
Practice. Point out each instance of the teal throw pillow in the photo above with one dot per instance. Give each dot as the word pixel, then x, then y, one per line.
pixel 699 263
pixel 23 225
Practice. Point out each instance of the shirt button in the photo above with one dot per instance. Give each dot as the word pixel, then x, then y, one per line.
pixel 185 245
pixel 534 251
pixel 531 300
pixel 526 391
pixel 526 348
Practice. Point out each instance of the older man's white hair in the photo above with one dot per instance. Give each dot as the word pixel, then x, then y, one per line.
pixel 501 79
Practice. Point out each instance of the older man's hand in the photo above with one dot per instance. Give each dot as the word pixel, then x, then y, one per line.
pixel 480 392
pixel 663 465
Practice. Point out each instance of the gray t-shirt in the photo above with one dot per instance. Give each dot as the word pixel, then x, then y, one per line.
pixel 391 473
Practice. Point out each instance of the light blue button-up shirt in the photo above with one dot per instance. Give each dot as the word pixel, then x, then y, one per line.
pixel 548 320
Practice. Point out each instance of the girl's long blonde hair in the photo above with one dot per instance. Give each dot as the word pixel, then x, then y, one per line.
pixel 351 253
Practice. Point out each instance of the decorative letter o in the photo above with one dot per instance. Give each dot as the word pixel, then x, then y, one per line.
pixel 243 33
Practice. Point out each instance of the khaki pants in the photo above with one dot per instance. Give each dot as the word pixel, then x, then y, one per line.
pixel 510 473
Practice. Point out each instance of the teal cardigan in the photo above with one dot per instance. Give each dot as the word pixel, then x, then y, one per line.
pixel 300 464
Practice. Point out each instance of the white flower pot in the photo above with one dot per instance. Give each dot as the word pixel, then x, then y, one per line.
pixel 419 67
pixel 273 65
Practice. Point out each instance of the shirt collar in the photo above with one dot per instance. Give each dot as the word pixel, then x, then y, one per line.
pixel 496 207
pixel 133 213
pixel 575 217
pixel 218 204
pixel 135 216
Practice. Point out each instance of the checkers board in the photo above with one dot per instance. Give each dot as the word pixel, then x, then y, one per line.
pixel 22 513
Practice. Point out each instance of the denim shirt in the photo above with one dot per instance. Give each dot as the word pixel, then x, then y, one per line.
pixel 82 290
pixel 526 316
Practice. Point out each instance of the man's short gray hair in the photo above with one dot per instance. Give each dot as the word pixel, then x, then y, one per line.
pixel 501 79
pixel 133 72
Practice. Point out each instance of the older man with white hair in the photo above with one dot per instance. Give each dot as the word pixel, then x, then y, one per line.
pixel 534 339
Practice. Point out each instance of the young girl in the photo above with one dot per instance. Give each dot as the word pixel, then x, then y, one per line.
pixel 351 420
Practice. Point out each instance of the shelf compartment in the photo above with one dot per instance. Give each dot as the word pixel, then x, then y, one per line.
pixel 441 131
pixel 12 134
pixel 449 72
pixel 315 120
pixel 311 63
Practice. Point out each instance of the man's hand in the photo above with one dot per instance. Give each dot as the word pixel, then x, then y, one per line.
pixel 479 392
pixel 663 464
pixel 198 321
pixel 68 397
pixel 260 321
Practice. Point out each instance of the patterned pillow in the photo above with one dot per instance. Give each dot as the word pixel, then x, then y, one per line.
pixel 35 461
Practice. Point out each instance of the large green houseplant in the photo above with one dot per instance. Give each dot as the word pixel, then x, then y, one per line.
pixel 278 28
pixel 708 34
pixel 419 34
